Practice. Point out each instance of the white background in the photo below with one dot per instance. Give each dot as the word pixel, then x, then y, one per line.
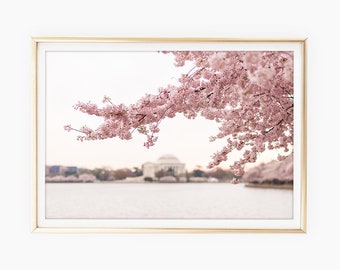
pixel 316 20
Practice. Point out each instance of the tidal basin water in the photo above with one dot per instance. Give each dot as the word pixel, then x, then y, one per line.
pixel 166 201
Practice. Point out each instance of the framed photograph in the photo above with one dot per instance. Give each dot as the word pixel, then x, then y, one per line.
pixel 169 135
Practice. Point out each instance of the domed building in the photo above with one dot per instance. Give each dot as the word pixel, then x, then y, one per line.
pixel 167 164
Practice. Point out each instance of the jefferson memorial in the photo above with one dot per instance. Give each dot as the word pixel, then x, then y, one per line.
pixel 166 163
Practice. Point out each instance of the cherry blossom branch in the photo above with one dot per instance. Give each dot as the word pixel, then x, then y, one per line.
pixel 248 94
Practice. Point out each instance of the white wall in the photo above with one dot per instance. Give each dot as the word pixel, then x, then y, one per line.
pixel 313 19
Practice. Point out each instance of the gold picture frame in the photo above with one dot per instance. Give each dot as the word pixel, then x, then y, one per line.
pixel 37 147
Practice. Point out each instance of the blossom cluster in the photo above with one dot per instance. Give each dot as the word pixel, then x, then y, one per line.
pixel 248 93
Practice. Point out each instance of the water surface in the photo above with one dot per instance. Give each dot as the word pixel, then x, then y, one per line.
pixel 162 201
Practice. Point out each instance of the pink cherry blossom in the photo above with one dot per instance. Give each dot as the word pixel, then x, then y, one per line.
pixel 249 94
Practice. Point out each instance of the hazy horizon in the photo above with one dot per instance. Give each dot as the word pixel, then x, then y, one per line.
pixel 112 167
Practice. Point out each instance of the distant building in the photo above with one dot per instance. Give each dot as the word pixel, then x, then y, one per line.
pixel 57 169
pixel 72 170
pixel 167 165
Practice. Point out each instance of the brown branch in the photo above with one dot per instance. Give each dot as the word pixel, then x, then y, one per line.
pixel 78 130
pixel 269 130
pixel 199 89
pixel 261 94
pixel 292 106
pixel 143 117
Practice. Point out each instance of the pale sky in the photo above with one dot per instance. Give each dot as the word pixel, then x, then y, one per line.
pixel 124 77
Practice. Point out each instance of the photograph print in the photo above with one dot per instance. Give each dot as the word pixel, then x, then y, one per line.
pixel 172 134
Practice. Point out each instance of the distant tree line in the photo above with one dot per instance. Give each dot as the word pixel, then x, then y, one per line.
pixel 218 173
pixel 107 174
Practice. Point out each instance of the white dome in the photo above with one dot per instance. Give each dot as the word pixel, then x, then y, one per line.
pixel 168 159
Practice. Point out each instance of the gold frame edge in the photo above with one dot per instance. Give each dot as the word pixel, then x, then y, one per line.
pixel 161 39
pixel 34 191
pixel 304 140
pixel 34 132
